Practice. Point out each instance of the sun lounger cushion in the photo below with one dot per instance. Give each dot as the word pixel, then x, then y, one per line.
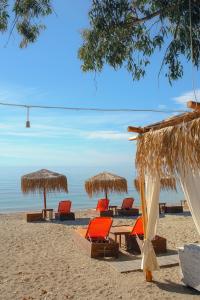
pixel 102 205
pixel 64 212
pixel 127 203
pixel 64 206
pixel 99 228
pixel 138 228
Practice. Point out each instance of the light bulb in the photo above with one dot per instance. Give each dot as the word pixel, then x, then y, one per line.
pixel 28 124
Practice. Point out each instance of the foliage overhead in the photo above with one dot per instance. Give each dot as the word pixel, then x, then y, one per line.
pixel 128 32
pixel 122 32
pixel 27 14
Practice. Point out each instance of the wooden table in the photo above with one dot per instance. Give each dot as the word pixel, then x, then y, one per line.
pixel 162 207
pixel 47 213
pixel 119 231
pixel 113 208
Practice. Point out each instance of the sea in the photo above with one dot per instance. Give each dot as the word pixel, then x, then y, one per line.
pixel 13 200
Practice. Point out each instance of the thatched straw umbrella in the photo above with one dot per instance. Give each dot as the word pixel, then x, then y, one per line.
pixel 43 181
pixel 166 183
pixel 106 183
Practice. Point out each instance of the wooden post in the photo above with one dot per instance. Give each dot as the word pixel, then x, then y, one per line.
pixel 144 215
pixel 106 194
pixel 45 201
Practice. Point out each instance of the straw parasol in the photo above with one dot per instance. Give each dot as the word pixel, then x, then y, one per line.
pixel 166 183
pixel 107 183
pixel 43 181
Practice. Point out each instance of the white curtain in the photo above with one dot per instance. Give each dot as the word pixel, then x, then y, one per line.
pixel 152 192
pixel 190 182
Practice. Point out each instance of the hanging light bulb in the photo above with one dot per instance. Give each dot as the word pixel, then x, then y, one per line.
pixel 28 124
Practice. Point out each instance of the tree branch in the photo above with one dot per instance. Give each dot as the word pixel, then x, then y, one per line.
pixel 137 21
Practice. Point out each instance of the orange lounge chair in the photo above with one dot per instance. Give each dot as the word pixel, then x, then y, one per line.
pixel 159 243
pixel 127 203
pixel 95 239
pixel 64 211
pixel 103 208
pixel 99 228
pixel 138 228
pixel 127 208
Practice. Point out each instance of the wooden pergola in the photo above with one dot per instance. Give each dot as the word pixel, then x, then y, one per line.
pixel 174 121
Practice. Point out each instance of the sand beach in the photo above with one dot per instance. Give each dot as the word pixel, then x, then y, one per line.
pixel 42 261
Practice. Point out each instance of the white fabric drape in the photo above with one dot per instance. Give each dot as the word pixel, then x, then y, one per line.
pixel 190 182
pixel 152 192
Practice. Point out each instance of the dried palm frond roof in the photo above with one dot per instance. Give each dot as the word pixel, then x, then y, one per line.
pixel 43 179
pixel 167 183
pixel 106 182
pixel 165 151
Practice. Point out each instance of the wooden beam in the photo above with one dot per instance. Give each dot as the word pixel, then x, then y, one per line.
pixel 194 105
pixel 135 129
pixel 173 121
pixel 133 138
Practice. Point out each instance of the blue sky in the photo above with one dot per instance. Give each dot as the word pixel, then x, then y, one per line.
pixel 48 73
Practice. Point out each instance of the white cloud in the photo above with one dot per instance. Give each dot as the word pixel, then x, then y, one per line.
pixel 44 131
pixel 187 96
pixel 111 135
pixel 56 134
pixel 25 154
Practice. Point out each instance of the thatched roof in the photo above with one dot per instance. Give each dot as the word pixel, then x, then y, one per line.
pixel 106 182
pixel 164 151
pixel 166 184
pixel 41 179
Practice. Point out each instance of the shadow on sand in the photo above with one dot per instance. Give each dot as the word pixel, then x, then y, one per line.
pixel 176 288
pixel 77 222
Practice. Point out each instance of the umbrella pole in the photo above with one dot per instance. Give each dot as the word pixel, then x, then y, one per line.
pixel 45 200
pixel 144 215
pixel 106 194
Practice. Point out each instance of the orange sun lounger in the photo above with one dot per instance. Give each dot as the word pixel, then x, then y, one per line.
pixel 127 203
pixel 159 243
pixel 99 228
pixel 138 228
pixel 127 208
pixel 64 211
pixel 95 239
pixel 103 208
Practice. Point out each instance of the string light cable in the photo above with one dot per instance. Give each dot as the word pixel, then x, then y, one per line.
pixel 28 107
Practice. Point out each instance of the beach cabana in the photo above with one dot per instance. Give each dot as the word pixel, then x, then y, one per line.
pixel 106 183
pixel 167 149
pixel 44 181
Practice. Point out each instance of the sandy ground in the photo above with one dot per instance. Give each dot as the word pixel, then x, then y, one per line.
pixel 42 261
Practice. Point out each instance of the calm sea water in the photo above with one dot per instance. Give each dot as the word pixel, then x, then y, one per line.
pixel 12 200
